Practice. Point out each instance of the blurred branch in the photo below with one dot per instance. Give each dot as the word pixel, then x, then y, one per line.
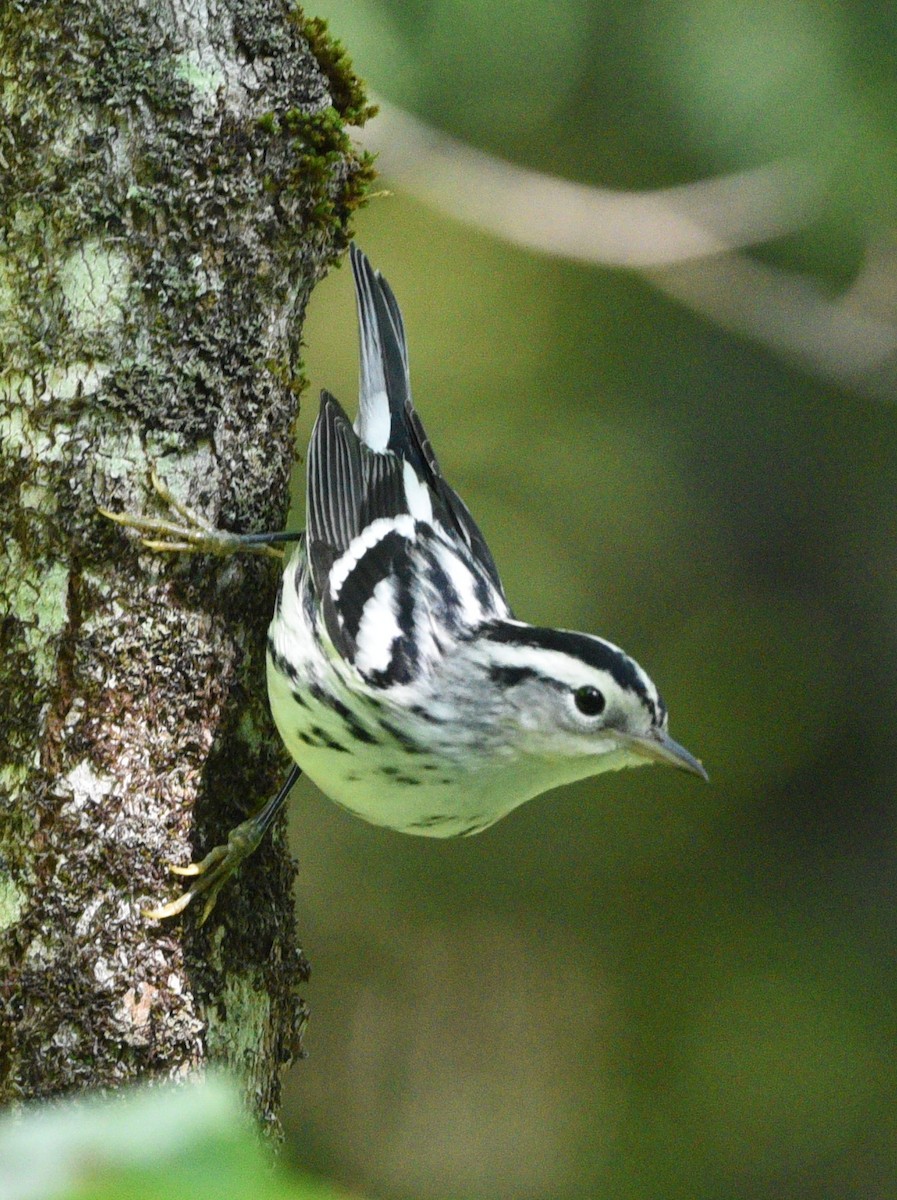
pixel 850 339
pixel 684 239
pixel 572 220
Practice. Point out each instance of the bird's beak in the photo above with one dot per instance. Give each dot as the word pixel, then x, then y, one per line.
pixel 659 747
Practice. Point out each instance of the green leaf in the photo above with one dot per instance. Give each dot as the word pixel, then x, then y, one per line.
pixel 149 1143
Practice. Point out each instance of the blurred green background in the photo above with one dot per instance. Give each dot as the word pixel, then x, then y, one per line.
pixel 639 987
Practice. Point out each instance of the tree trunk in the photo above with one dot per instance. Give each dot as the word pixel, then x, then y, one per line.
pixel 174 176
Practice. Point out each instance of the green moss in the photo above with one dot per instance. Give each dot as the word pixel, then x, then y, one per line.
pixel 326 176
pixel 268 123
pixel 291 375
pixel 347 91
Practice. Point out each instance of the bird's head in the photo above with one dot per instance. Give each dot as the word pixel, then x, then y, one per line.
pixel 573 702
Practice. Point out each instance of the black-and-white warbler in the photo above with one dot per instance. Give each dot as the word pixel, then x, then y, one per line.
pixel 399 680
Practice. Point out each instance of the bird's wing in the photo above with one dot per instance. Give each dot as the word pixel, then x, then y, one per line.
pixel 386 578
pixel 348 488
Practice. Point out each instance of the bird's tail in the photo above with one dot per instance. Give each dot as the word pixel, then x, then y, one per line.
pixel 386 417
pixel 385 388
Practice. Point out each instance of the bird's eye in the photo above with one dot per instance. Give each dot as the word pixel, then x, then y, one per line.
pixel 589 701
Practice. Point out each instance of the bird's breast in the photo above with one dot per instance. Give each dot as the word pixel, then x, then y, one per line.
pixel 365 755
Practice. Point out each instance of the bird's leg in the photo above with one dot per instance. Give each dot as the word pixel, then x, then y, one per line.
pixel 213 871
pixel 193 534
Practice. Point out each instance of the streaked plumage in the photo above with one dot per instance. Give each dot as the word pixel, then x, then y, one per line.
pixel 399 679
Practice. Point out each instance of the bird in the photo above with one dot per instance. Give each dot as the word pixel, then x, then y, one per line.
pixel 399 679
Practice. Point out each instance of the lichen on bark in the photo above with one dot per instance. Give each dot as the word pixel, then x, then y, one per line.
pixel 174 177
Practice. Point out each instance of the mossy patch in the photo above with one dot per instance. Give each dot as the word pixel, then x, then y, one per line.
pixel 325 176
pixel 347 91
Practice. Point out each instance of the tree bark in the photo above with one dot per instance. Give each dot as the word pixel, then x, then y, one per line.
pixel 174 176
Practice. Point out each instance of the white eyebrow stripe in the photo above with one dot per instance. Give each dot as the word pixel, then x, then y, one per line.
pixel 552 664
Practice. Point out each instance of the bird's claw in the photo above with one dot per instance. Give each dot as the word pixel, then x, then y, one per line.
pixel 211 873
pixel 193 534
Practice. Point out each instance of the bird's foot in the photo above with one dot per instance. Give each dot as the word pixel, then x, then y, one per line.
pixel 193 534
pixel 213 872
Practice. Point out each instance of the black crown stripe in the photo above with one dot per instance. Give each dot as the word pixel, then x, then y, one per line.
pixel 591 651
